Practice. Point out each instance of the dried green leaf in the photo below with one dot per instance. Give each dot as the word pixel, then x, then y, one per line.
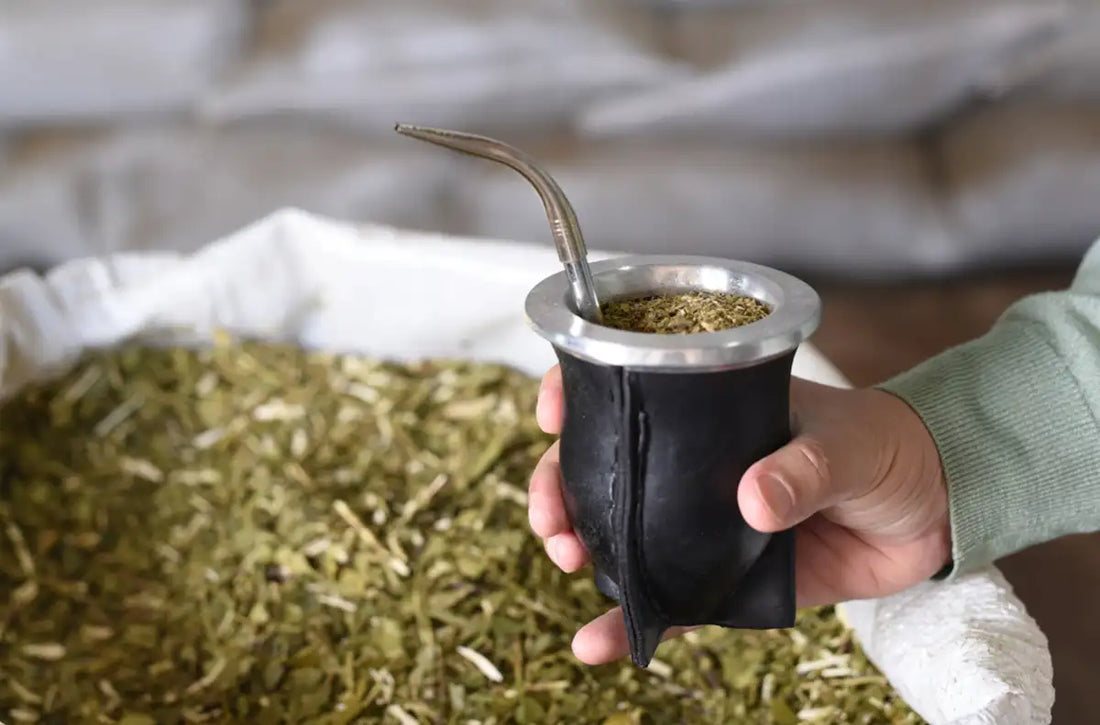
pixel 257 533
pixel 683 313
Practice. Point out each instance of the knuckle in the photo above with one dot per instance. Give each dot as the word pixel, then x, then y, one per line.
pixel 815 458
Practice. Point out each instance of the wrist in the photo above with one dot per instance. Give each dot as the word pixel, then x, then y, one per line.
pixel 919 461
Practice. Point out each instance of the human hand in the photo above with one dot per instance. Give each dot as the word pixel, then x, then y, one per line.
pixel 861 480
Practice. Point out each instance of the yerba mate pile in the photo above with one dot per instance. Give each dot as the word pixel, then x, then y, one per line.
pixel 684 312
pixel 255 534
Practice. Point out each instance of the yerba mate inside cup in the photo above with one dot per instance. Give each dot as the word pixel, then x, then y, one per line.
pixel 659 429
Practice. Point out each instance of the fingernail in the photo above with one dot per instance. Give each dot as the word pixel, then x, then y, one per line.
pixel 539 414
pixel 551 547
pixel 540 410
pixel 536 518
pixel 777 497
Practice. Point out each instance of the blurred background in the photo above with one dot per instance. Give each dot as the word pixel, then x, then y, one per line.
pixel 923 163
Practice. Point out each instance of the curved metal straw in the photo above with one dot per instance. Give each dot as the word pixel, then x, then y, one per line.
pixel 563 221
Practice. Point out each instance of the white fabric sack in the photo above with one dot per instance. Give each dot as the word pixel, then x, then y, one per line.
pixel 861 209
pixel 66 61
pixel 174 189
pixel 961 653
pixel 42 218
pixel 489 64
pixel 837 69
pixel 1067 69
pixel 1022 182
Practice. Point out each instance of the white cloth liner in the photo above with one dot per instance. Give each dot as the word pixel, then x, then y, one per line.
pixel 961 653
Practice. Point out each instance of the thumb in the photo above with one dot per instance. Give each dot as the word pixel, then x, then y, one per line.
pixel 788 487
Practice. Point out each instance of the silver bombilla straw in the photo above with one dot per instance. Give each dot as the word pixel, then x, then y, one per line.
pixel 563 220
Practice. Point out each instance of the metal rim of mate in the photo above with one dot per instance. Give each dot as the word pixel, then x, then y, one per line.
pixel 795 313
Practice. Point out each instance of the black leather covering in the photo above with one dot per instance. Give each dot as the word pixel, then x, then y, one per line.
pixel 650 464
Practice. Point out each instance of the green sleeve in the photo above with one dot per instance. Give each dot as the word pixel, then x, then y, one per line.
pixel 1015 415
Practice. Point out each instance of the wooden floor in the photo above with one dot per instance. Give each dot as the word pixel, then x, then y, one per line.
pixel 872 333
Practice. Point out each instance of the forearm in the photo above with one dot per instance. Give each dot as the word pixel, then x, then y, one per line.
pixel 1014 415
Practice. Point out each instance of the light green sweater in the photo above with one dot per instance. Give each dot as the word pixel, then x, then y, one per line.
pixel 1015 415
